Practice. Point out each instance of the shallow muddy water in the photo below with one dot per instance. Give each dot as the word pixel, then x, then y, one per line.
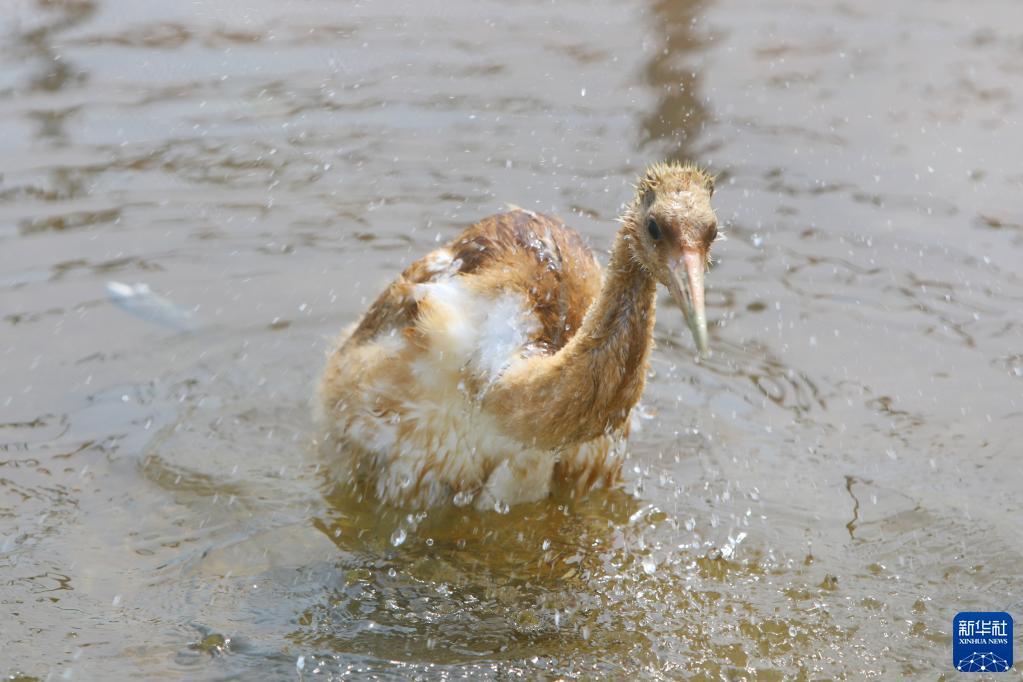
pixel 817 500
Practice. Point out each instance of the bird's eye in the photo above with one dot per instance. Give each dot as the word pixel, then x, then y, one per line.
pixel 653 229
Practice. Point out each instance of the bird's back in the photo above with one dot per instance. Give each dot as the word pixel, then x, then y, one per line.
pixel 520 253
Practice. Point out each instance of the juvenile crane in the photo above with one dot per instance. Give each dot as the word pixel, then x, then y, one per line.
pixel 503 364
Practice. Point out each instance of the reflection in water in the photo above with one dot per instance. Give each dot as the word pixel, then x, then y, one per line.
pixel 675 45
pixel 455 584
pixel 55 71
pixel 592 582
pixel 567 533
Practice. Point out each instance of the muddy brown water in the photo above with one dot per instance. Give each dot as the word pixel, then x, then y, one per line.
pixel 815 501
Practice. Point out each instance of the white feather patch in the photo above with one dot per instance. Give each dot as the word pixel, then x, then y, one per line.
pixel 468 330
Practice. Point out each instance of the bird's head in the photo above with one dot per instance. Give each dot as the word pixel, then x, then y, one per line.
pixel 674 227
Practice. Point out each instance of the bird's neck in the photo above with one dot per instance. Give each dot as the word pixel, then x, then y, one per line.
pixel 588 387
pixel 620 320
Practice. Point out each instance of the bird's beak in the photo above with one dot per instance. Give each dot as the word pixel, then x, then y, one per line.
pixel 688 294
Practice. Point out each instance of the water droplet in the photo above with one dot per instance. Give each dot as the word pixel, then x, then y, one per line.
pixel 300 663
pixel 649 566
pixel 462 498
pixel 501 507
pixel 398 537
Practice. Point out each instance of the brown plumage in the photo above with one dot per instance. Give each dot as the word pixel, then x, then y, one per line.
pixel 503 363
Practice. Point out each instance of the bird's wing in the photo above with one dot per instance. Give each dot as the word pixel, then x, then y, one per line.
pixel 518 252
